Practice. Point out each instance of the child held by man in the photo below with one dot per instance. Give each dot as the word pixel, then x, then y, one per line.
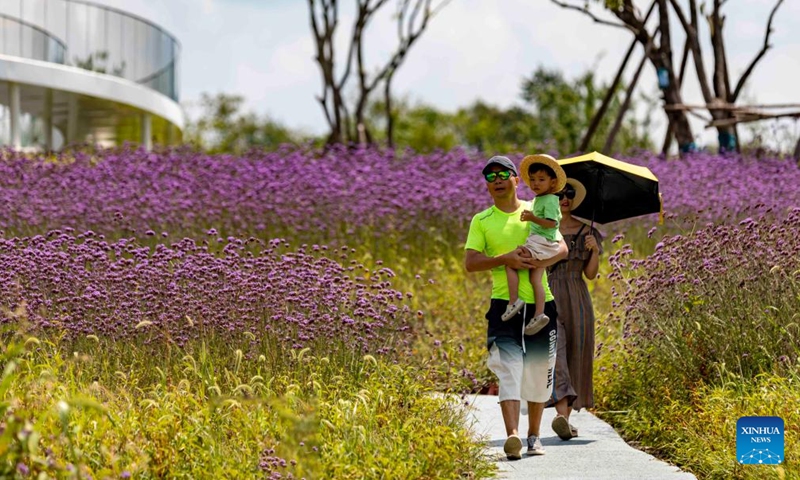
pixel 545 177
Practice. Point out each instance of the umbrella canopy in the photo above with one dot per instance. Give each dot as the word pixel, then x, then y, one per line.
pixel 615 190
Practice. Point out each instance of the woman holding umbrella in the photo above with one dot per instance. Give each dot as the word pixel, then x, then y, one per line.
pixel 600 189
pixel 575 311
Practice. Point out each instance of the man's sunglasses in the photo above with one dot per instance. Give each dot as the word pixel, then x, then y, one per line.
pixel 491 177
pixel 570 194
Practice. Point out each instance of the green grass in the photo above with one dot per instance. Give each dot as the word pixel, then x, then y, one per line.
pixel 699 434
pixel 102 409
pixel 226 408
pixel 676 373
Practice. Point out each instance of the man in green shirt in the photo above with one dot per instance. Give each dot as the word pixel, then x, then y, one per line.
pixel 524 365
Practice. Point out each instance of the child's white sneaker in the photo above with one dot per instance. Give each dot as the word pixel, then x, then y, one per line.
pixel 537 323
pixel 512 309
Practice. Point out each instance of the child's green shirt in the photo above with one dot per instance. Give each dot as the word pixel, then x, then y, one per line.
pixel 547 207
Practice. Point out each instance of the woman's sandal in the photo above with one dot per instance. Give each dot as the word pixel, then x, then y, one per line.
pixel 562 428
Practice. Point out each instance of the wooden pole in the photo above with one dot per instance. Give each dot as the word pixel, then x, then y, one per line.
pixel 750 117
pixel 728 106
pixel 668 139
pixel 624 107
pixel 671 128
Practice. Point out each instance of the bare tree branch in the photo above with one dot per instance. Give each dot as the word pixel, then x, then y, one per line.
pixel 324 58
pixel 691 27
pixel 626 103
pixel 715 23
pixel 684 59
pixel 350 53
pixel 725 61
pixel 659 56
pixel 665 42
pixel 594 17
pixel 612 89
pixel 410 37
pixel 346 124
pixel 760 54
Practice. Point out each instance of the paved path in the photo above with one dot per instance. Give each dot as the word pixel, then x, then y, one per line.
pixel 598 453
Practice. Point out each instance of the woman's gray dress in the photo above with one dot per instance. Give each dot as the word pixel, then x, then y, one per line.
pixel 575 323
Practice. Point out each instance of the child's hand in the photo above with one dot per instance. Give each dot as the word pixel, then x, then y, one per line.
pixel 526 216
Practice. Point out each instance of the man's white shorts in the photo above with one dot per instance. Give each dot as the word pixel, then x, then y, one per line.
pixel 524 375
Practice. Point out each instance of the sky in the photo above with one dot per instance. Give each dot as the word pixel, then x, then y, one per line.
pixel 475 49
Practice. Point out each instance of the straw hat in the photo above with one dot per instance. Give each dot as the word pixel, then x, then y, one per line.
pixel 561 177
pixel 580 193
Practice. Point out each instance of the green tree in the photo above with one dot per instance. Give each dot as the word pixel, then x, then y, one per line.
pixel 420 127
pixel 223 127
pixel 480 126
pixel 564 109
pixel 554 118
pixel 492 129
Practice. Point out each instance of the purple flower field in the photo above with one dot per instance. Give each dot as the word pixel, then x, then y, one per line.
pixel 290 190
pixel 82 284
pixel 301 192
pixel 718 188
pixel 181 234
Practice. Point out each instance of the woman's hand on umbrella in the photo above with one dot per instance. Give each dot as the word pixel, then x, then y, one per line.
pixel 591 244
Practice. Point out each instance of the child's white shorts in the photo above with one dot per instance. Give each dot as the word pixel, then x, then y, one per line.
pixel 540 247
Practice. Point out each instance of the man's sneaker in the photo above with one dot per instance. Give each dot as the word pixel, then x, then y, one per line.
pixel 562 428
pixel 513 447
pixel 512 309
pixel 535 446
pixel 537 323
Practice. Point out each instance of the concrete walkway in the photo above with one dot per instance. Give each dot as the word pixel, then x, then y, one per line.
pixel 597 453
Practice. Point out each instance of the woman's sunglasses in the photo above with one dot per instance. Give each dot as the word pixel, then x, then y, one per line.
pixel 570 194
pixel 491 177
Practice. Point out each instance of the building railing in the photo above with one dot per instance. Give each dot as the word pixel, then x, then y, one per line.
pixel 26 40
pixel 102 39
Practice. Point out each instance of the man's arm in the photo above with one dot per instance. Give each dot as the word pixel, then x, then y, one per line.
pixel 476 261
pixel 563 251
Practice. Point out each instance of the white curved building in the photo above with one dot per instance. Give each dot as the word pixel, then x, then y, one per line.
pixel 74 71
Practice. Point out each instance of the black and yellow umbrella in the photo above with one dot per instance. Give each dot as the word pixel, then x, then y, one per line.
pixel 615 190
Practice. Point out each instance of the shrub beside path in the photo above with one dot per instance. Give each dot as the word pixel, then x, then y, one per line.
pixel 598 453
